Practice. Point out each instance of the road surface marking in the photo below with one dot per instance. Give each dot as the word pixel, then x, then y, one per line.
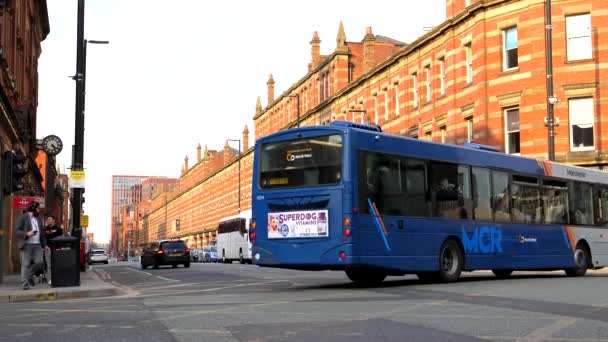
pixel 167 279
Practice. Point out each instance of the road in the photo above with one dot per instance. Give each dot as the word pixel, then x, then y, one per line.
pixel 216 302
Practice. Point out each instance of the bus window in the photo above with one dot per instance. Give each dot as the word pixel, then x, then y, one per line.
pixel 383 183
pixel 581 203
pixel 416 203
pixel 555 201
pixel 448 184
pixel 603 207
pixel 500 196
pixel 526 207
pixel 301 162
pixel 482 194
pixel 464 191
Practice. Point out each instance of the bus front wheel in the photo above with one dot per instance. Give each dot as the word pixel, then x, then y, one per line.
pixel 581 262
pixel 365 277
pixel 451 261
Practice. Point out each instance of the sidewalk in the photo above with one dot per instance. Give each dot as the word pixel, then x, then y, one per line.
pixel 90 286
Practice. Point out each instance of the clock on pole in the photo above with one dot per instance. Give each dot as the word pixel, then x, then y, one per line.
pixel 52 145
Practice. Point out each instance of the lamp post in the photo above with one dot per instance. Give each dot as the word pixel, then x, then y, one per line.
pixel 239 141
pixel 297 96
pixel 78 148
pixel 551 99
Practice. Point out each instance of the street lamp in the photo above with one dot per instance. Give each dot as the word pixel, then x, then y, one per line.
pixel 297 96
pixel 551 99
pixel 239 141
pixel 78 147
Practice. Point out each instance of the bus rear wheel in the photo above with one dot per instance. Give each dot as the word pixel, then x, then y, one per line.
pixel 365 277
pixel 502 274
pixel 451 261
pixel 581 262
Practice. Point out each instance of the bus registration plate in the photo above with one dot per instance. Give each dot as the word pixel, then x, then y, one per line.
pixel 298 224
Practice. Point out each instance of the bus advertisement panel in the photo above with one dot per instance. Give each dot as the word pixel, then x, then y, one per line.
pixel 297 224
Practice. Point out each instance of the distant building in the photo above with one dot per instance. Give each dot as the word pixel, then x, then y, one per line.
pixel 127 193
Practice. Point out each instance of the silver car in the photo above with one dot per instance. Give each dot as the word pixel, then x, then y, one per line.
pixel 98 256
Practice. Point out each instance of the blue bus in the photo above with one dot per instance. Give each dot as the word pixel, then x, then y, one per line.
pixel 348 197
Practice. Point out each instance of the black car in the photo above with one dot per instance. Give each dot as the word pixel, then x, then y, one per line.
pixel 165 252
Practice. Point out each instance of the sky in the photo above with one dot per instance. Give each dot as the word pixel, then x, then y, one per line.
pixel 183 72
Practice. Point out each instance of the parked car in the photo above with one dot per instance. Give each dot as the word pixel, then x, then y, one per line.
pixel 165 252
pixel 210 254
pixel 98 256
pixel 196 255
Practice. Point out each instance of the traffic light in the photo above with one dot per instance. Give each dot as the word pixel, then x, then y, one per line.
pixel 13 171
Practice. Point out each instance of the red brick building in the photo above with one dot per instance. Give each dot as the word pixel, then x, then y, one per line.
pixel 480 76
pixel 24 24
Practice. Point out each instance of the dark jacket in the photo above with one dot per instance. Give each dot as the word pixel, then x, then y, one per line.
pixel 24 225
pixel 51 232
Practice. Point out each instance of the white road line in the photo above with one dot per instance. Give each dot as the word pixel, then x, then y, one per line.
pixel 134 270
pixel 167 279
pixel 153 288
pixel 212 289
pixel 545 332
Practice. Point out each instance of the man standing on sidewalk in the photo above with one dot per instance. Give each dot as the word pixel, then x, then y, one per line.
pixel 51 231
pixel 30 241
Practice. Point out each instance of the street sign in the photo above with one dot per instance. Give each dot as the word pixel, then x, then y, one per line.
pixel 84 221
pixel 21 203
pixel 76 179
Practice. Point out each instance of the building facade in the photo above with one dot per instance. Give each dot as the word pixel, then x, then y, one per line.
pixel 126 191
pixel 24 24
pixel 479 76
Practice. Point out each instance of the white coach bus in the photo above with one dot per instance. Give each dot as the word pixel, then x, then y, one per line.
pixel 233 238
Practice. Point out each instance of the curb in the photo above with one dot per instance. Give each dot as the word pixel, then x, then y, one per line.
pixel 58 295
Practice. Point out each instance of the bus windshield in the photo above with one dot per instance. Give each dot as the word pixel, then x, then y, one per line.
pixel 301 162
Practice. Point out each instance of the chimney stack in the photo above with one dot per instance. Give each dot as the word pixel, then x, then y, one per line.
pixel 245 139
pixel 270 84
pixel 226 153
pixel 315 50
pixel 198 153
pixel 186 164
pixel 368 49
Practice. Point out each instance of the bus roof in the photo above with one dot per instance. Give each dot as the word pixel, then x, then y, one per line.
pixel 246 214
pixel 472 154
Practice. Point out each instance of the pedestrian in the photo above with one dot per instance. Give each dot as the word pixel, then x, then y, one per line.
pixel 31 242
pixel 51 231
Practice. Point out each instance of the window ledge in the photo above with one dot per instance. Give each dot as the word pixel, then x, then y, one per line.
pixel 509 72
pixel 580 61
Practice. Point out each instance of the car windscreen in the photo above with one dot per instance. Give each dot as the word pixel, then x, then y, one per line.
pixel 301 162
pixel 213 249
pixel 173 245
pixel 98 252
